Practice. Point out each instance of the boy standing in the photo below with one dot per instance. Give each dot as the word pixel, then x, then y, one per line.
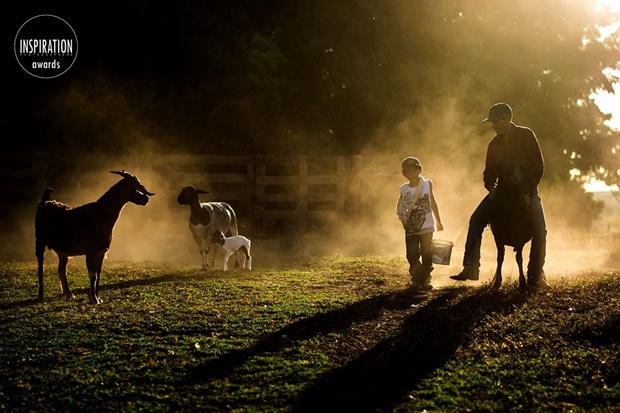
pixel 419 214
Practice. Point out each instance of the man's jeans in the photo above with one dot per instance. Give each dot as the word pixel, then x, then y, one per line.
pixel 480 219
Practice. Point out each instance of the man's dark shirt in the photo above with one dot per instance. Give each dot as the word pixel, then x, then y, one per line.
pixel 524 146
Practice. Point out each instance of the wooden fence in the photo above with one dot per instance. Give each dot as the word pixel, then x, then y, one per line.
pixel 264 190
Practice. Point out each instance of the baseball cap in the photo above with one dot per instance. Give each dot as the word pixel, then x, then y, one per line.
pixel 498 111
pixel 411 161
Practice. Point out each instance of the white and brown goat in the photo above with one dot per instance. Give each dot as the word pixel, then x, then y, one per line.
pixel 84 230
pixel 205 218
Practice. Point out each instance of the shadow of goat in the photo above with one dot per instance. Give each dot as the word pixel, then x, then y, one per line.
pixel 509 217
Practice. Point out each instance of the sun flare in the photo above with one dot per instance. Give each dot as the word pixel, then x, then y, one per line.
pixel 613 5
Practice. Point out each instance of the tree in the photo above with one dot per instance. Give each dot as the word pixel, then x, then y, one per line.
pixel 324 77
pixel 374 66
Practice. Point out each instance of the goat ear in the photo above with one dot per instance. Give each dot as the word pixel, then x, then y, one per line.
pixel 201 191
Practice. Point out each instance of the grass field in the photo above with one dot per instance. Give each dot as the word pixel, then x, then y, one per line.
pixel 305 334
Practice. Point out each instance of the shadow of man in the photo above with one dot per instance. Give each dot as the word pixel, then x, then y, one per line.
pixel 381 377
pixel 334 321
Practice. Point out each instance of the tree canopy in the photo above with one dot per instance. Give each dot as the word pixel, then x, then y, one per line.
pixel 322 77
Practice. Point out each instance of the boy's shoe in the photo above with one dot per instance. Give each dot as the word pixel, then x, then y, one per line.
pixel 420 288
pixel 467 274
pixel 426 285
pixel 414 288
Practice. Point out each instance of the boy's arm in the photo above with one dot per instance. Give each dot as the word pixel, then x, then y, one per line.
pixel 401 210
pixel 435 208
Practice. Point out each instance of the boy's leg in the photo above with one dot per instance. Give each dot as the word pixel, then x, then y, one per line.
pixel 427 258
pixel 471 259
pixel 412 242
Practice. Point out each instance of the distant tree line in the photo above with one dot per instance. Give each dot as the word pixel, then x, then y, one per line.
pixel 322 77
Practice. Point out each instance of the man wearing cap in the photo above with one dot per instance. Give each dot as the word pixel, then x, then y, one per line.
pixel 521 143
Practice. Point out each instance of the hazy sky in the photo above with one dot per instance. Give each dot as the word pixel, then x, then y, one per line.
pixel 608 102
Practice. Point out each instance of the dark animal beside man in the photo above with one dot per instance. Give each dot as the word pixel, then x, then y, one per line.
pixel 509 217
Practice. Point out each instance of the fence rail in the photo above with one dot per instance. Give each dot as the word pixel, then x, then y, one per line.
pixel 262 189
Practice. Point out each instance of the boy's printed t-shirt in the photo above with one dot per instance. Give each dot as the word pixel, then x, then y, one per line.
pixel 421 220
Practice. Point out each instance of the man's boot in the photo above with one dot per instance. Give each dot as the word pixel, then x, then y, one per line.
pixel 468 273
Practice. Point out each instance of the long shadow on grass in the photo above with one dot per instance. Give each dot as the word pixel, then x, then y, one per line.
pixel 324 323
pixel 81 293
pixel 381 377
pixel 18 304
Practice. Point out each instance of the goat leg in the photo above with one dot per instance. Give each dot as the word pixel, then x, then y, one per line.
pixel 205 259
pixel 63 260
pixel 94 263
pixel 211 255
pixel 92 294
pixel 497 280
pixel 41 291
pixel 99 266
pixel 244 253
pixel 40 252
pixel 203 249
pixel 226 256
pixel 97 279
pixel 519 256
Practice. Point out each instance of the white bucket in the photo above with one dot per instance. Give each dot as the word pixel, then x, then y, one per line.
pixel 442 250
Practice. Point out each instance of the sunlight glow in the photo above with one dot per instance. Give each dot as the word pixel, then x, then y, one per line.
pixel 613 5
pixel 607 31
pixel 610 102
pixel 594 185
pixel 607 102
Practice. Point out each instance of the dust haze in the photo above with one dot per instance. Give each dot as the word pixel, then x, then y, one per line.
pixel 451 149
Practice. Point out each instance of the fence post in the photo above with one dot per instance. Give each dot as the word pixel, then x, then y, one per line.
pixel 250 181
pixel 353 187
pixel 302 202
pixel 259 190
pixel 341 185
pixel 40 173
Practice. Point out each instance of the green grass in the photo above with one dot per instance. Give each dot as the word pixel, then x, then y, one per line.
pixel 324 334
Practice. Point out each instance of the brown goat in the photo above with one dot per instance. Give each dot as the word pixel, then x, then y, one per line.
pixel 84 230
pixel 509 216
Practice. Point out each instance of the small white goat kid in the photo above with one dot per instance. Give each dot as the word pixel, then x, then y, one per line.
pixel 230 245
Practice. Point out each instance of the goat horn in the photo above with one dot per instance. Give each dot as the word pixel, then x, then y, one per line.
pixel 123 174
pixel 201 191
